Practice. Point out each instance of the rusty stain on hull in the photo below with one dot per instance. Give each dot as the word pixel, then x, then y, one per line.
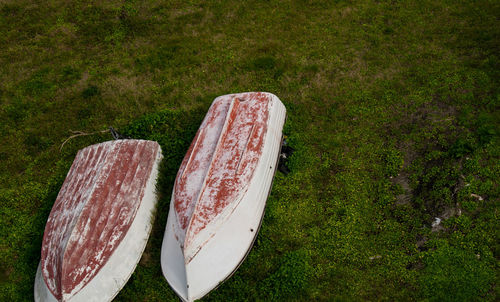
pixel 220 192
pixel 219 164
pixel 95 207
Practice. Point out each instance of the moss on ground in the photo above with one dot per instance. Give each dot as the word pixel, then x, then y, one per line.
pixel 393 110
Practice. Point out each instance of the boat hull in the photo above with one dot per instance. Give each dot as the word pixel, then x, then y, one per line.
pixel 120 264
pixel 222 254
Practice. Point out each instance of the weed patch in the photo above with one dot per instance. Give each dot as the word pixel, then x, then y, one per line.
pixel 393 110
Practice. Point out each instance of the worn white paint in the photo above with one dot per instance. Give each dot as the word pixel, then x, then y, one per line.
pixel 121 264
pixel 216 259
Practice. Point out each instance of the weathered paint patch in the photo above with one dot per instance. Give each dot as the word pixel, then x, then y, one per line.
pixel 220 162
pixel 194 167
pixel 93 211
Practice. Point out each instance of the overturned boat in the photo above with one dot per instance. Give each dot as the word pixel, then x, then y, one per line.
pixel 100 222
pixel 220 192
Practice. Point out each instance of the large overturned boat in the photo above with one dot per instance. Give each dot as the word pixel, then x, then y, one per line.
pixel 100 222
pixel 220 192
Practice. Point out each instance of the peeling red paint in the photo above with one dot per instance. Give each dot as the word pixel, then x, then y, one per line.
pixel 220 162
pixel 93 211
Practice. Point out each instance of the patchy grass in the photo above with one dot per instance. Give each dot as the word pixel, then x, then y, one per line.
pixel 393 109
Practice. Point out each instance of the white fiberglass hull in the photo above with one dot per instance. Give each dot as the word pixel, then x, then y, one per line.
pixel 225 251
pixel 111 278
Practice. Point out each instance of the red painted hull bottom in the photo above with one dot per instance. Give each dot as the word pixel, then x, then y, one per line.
pixel 100 222
pixel 220 192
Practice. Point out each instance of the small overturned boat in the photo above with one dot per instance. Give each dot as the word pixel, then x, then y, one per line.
pixel 220 192
pixel 100 222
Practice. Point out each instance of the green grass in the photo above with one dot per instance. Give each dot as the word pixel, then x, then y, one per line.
pixel 393 109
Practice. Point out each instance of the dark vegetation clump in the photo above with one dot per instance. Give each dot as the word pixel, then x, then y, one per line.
pixel 391 192
pixel 90 92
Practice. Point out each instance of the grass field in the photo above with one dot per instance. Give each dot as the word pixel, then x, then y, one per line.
pixel 393 110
